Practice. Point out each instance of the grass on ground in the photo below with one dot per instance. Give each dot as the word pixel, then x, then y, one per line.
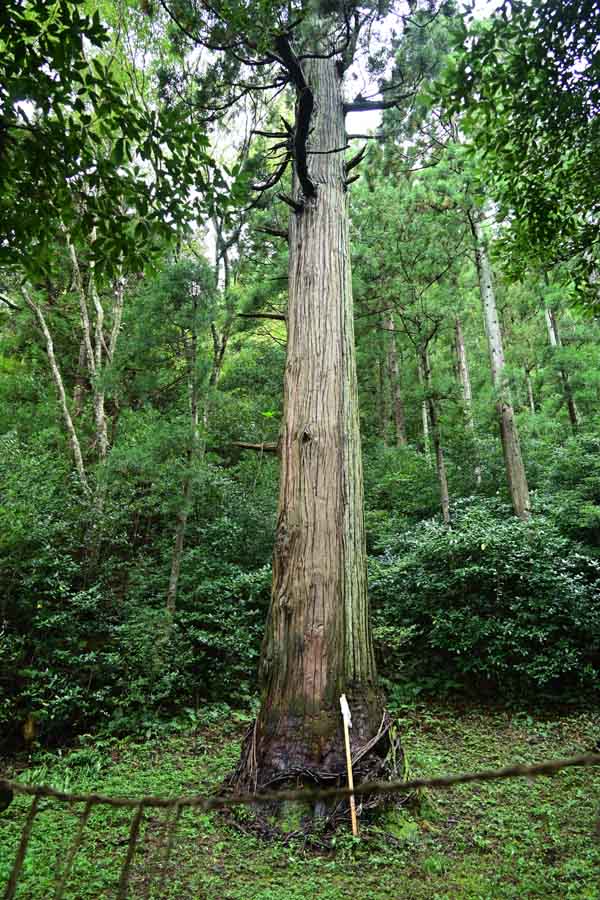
pixel 512 839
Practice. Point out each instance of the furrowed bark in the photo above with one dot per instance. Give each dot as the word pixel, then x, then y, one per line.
pixel 318 640
pixel 511 447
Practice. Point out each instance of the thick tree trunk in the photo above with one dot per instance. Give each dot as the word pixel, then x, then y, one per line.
pixel 465 383
pixel 394 376
pixel 556 343
pixel 318 639
pixel 511 447
pixel 436 434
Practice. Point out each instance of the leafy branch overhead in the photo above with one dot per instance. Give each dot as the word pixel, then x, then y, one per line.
pixel 526 82
pixel 82 147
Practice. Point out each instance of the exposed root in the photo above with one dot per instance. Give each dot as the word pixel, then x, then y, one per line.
pixel 380 758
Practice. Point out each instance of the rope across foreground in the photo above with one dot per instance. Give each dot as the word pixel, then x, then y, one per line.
pixel 175 805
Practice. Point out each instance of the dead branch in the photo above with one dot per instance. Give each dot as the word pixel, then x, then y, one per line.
pixel 274 232
pixel 278 316
pixel 293 204
pixel 261 448
pixel 305 108
pixel 355 160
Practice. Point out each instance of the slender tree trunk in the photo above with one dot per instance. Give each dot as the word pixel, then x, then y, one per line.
pixel 513 459
pixel 556 343
pixel 530 396
pixel 188 483
pixel 424 414
pixel 97 351
pixel 62 397
pixel 318 639
pixel 463 372
pixel 221 340
pixel 117 317
pixel 436 436
pixel 80 381
pixel 98 387
pixel 465 382
pixel 94 350
pixel 382 403
pixel 394 376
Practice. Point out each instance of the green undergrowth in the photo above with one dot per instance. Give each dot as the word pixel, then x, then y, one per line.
pixel 512 839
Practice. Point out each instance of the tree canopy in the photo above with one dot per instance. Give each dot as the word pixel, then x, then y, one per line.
pixel 526 85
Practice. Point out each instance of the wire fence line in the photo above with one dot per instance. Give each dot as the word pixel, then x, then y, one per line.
pixel 175 805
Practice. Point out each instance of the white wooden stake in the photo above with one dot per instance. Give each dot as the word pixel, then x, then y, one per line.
pixel 347 717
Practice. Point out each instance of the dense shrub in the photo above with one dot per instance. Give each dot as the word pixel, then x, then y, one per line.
pixel 493 599
pixel 84 640
pixel 85 644
pixel 570 488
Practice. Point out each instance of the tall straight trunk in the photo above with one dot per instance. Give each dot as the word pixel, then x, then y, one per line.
pixel 60 388
pixel 436 434
pixel 556 343
pixel 221 340
pixel 80 381
pixel 463 371
pixel 394 376
pixel 318 641
pixel 465 383
pixel 94 349
pixel 382 406
pixel 188 482
pixel 424 413
pixel 511 447
pixel 530 395
pixel 99 392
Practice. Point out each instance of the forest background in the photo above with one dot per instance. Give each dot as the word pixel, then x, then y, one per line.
pixel 142 350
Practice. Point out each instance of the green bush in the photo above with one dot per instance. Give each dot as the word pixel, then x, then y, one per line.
pixel 494 600
pixel 84 642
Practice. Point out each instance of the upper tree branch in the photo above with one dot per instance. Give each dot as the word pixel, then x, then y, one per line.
pixel 268 229
pixel 9 303
pixel 278 316
pixel 360 105
pixel 355 160
pixel 304 112
pixel 274 178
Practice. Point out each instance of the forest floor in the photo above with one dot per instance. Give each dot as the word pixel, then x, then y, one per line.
pixel 510 839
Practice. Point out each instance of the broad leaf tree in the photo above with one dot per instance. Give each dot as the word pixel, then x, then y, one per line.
pixel 527 81
pixel 83 146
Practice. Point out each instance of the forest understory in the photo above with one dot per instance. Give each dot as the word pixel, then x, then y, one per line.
pixel 522 838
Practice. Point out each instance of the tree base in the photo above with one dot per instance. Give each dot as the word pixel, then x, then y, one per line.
pixel 379 759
